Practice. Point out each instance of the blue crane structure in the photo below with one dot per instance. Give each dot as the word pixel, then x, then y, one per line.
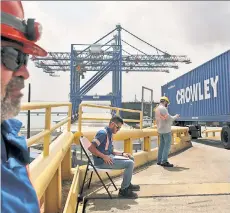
pixel 103 58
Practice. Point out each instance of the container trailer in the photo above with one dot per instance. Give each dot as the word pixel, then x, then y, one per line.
pixel 202 97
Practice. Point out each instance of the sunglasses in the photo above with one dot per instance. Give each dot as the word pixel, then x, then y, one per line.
pixel 13 58
pixel 118 127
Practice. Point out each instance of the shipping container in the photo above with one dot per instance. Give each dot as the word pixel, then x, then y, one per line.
pixel 203 94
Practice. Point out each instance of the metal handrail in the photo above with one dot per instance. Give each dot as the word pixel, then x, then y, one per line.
pixel 46 133
pixel 80 118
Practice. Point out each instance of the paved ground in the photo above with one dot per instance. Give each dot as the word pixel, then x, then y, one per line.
pixel 199 182
pixel 191 204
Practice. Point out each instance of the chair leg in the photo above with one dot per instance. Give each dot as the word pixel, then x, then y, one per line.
pixel 90 179
pixel 111 181
pixel 84 179
pixel 103 184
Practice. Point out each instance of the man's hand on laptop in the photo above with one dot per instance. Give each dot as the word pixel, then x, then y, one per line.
pixel 107 160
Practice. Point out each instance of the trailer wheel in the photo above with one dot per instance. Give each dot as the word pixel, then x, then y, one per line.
pixel 193 131
pixel 225 137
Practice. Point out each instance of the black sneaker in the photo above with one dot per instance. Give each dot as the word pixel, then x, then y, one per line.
pixel 133 187
pixel 167 164
pixel 158 163
pixel 127 193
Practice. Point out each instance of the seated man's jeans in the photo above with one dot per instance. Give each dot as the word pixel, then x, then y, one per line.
pixel 128 165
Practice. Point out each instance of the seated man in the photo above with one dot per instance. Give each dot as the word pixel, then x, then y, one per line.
pixel 104 156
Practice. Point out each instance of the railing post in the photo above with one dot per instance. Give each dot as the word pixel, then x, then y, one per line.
pixel 47 127
pixel 158 140
pixel 172 140
pixel 53 194
pixel 69 116
pixel 141 120
pixel 128 146
pixel 79 118
pixel 66 166
pixel 147 144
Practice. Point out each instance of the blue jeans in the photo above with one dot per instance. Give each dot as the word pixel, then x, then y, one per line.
pixel 128 165
pixel 165 145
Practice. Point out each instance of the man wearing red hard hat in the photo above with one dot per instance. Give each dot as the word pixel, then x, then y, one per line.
pixel 18 38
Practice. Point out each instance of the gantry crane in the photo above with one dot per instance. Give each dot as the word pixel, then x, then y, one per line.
pixel 105 57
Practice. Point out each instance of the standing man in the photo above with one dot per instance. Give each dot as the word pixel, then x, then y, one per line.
pixel 164 122
pixel 105 156
pixel 18 39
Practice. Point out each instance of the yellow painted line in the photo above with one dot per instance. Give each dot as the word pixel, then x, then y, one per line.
pixel 174 190
pixel 216 138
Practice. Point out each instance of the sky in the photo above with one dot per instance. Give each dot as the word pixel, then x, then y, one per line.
pixel 199 30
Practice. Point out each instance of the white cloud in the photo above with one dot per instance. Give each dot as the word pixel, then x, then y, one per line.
pixel 197 29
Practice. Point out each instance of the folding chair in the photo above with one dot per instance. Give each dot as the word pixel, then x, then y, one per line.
pixel 85 143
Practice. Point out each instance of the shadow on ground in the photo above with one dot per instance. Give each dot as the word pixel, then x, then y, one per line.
pixel 111 206
pixel 213 143
pixel 176 168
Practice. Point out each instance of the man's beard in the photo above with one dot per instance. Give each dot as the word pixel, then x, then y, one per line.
pixel 10 106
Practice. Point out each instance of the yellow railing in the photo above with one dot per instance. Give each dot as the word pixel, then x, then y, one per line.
pixel 46 134
pixel 129 135
pixel 80 118
pixel 213 131
pixel 71 202
pixel 48 170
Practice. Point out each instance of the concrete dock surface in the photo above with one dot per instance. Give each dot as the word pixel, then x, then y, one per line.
pixel 199 182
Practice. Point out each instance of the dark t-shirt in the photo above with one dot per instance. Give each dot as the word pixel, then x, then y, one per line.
pixel 103 142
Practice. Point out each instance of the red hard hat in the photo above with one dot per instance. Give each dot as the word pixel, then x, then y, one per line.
pixel 14 27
